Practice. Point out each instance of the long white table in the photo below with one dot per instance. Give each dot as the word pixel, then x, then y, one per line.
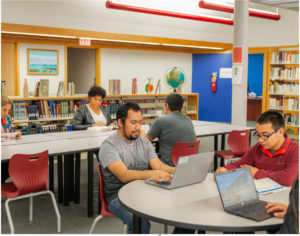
pixel 196 206
pixel 75 142
pixel 58 144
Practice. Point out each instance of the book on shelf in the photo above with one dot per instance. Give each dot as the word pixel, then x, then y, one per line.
pixel 61 89
pixel 134 86
pixel 44 88
pixel 272 102
pixel 37 89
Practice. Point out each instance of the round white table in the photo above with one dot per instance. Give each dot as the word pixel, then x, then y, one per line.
pixel 196 206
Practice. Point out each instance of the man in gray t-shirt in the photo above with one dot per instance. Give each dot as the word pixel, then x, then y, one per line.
pixel 172 128
pixel 124 157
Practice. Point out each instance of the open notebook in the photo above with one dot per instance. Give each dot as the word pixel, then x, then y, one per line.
pixel 267 185
pixel 102 128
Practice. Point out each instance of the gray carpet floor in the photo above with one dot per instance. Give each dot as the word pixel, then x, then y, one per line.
pixel 74 218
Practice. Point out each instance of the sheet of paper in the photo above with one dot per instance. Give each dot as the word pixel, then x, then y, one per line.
pixel 237 71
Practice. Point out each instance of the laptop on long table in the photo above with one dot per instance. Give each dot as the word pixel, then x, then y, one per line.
pixel 190 169
pixel 238 194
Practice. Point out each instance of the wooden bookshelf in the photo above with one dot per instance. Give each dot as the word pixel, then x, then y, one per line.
pixel 151 104
pixel 283 85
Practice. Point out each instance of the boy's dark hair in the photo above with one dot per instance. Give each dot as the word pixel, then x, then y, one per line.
pixel 122 112
pixel 273 117
pixel 175 102
pixel 97 91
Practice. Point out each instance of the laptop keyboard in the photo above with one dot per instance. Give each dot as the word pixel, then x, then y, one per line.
pixel 164 183
pixel 251 209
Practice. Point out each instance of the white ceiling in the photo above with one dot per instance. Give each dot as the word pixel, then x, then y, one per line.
pixel 288 4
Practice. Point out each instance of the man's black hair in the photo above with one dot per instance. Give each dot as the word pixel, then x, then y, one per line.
pixel 175 102
pixel 122 112
pixel 97 91
pixel 273 117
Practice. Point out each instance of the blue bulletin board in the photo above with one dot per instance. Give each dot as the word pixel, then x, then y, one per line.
pixel 216 106
pixel 213 106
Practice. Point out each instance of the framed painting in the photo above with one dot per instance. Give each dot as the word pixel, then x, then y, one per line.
pixel 42 62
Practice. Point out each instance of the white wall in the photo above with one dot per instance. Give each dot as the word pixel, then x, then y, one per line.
pixel 92 15
pixel 32 79
pixel 128 64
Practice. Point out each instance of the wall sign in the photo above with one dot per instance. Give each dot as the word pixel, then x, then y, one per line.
pixel 237 55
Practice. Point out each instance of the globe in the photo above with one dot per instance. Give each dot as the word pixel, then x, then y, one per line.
pixel 175 78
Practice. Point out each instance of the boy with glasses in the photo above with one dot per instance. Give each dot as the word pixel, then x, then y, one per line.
pixel 275 155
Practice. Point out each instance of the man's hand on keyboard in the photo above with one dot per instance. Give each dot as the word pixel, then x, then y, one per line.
pixel 159 175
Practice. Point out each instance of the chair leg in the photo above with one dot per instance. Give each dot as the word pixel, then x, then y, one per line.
pixel 30 209
pixel 125 229
pixel 222 162
pixel 56 211
pixel 165 229
pixel 10 222
pixel 99 217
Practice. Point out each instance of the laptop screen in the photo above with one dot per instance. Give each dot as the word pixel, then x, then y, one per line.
pixel 236 186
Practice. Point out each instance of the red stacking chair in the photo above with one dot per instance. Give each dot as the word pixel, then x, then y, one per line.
pixel 29 174
pixel 238 142
pixel 184 149
pixel 104 208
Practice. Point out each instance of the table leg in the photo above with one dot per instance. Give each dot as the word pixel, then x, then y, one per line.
pixel 60 179
pixel 90 160
pixel 222 148
pixel 137 224
pixel 215 148
pixel 51 174
pixel 67 180
pixel 77 178
pixel 72 178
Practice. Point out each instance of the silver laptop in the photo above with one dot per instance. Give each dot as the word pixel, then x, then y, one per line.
pixel 190 169
pixel 238 194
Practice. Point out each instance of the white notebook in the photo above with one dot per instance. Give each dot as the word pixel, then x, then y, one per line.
pixel 267 185
pixel 100 128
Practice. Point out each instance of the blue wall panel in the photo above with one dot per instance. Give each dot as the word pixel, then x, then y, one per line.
pixel 213 106
pixel 255 73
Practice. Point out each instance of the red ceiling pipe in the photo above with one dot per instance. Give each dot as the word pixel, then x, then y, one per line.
pixel 120 6
pixel 218 7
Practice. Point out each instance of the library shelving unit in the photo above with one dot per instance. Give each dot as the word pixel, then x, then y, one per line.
pixel 283 85
pixel 47 110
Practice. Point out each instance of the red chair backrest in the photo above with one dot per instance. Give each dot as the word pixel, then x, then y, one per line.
pixel 104 209
pixel 29 172
pixel 238 141
pixel 184 149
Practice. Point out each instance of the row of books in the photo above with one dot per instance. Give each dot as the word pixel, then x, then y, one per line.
pixel 20 111
pixel 284 104
pixel 286 74
pixel 112 107
pixel 282 88
pixel 39 129
pixel 45 109
pixel 285 57
pixel 291 119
